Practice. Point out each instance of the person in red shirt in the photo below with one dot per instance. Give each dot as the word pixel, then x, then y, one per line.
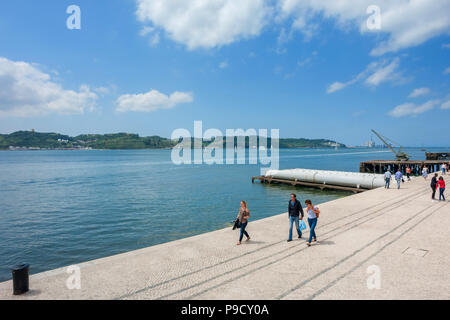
pixel 441 186
pixel 408 173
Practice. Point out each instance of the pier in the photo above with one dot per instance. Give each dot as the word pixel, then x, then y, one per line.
pixel 380 166
pixel 438 156
pixel 379 244
pixel 321 186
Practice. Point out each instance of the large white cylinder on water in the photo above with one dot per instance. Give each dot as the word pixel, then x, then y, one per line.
pixel 337 178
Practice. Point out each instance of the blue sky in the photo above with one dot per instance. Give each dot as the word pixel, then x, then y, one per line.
pixel 308 68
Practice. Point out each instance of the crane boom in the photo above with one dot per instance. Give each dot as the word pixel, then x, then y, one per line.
pixel 400 155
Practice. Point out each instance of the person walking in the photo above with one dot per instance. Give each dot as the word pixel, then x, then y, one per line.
pixel 387 178
pixel 433 185
pixel 313 214
pixel 425 172
pixel 243 216
pixel 441 186
pixel 443 168
pixel 295 210
pixel 398 178
pixel 408 173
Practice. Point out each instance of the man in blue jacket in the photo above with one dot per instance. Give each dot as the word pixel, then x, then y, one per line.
pixel 294 211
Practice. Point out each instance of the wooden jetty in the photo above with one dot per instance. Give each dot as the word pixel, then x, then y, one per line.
pixel 438 156
pixel 321 186
pixel 380 166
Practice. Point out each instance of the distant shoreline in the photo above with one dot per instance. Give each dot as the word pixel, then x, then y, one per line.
pixel 32 140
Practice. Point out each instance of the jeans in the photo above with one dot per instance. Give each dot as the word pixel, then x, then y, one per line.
pixel 399 181
pixel 243 226
pixel 293 219
pixel 388 183
pixel 312 227
pixel 441 193
pixel 433 189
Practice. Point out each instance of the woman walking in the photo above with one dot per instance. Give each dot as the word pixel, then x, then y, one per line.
pixel 243 216
pixel 313 214
pixel 425 172
pixel 441 186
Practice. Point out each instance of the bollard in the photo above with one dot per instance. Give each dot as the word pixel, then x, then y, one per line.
pixel 20 279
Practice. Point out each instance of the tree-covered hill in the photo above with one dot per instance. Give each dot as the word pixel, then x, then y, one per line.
pixel 39 140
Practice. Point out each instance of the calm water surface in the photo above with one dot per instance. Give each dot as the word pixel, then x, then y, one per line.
pixel 59 208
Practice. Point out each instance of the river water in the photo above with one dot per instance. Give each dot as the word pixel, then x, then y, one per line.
pixel 65 207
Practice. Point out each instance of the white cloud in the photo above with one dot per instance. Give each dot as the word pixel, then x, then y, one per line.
pixel 384 72
pixel 205 24
pixel 146 30
pixel 152 33
pixel 446 105
pixel 27 91
pixel 209 24
pixel 406 23
pixel 411 109
pixel 374 74
pixel 223 64
pixel 336 86
pixel 307 60
pixel 447 71
pixel 419 92
pixel 102 90
pixel 151 101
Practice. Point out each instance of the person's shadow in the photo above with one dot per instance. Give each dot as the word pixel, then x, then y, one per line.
pixel 254 242
pixel 326 242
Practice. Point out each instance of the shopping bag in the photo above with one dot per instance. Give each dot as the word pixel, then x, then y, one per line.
pixel 302 225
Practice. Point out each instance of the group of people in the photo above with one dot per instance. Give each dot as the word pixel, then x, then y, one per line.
pixel 436 183
pixel 295 214
pixel 398 177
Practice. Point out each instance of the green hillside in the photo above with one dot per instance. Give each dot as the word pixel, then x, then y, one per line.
pixel 31 139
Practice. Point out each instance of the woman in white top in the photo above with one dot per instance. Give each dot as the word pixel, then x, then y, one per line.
pixel 425 172
pixel 313 214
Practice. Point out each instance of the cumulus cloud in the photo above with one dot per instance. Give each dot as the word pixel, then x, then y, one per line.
pixel 151 101
pixel 375 74
pixel 419 92
pixel 205 24
pixel 209 24
pixel 412 109
pixel 27 91
pixel 405 23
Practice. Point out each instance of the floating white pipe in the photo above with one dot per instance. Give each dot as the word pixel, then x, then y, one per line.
pixel 337 178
